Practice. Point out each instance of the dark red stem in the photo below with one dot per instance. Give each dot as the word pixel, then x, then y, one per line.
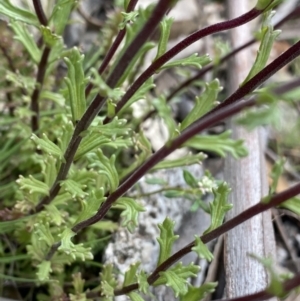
pixel 40 12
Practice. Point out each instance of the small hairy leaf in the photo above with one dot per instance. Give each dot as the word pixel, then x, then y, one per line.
pixel 128 17
pixel 219 144
pixel 202 250
pixel 42 230
pixel 91 205
pixel 60 15
pixel 184 161
pixel 130 274
pixel 106 167
pixel 177 277
pixel 190 179
pixel 267 36
pixel 135 297
pixel 44 270
pixel 74 188
pixel 143 282
pixel 219 206
pixel 130 212
pixel 75 83
pixel 49 37
pixel 164 111
pixel 26 39
pixel 165 28
pixel 49 170
pixel 204 103
pixel 48 146
pixel 15 13
pixel 108 281
pixel 166 239
pixel 292 204
pixel 33 185
pixel 199 293
pixel 75 251
pixel 57 216
pixel 193 60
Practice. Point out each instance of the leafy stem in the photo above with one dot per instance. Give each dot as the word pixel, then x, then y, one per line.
pixel 239 219
pixel 225 58
pixel 159 62
pixel 96 105
pixel 119 38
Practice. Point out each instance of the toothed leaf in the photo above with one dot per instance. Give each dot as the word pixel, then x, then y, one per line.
pixel 166 239
pixel 130 212
pixel 15 13
pixel 219 206
pixel 33 185
pixel 49 37
pixel 130 274
pixel 135 297
pixel 165 28
pixel 202 250
pixel 48 146
pixel 219 144
pixel 199 293
pixel 204 103
pixel 74 188
pixel 193 60
pixel 75 82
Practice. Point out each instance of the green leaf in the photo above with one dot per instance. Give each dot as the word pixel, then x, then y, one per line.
pixel 75 82
pixel 165 112
pixel 267 114
pixel 49 170
pixel 135 297
pixel 15 13
pixel 44 270
pixel 78 283
pixel 130 274
pixel 74 188
pixel 91 205
pixel 202 250
pixel 75 251
pixel 267 36
pixel 49 37
pixel 276 172
pixel 10 259
pixel 219 144
pixel 193 60
pixel 9 226
pixel 108 281
pixel 184 161
pixel 199 293
pixel 219 206
pixel 262 4
pixel 166 239
pixel 292 204
pixel 139 94
pixel 21 81
pixel 67 132
pixel 103 89
pixel 48 146
pixel 189 179
pixel 165 28
pixel 106 167
pixel 142 51
pixel 130 212
pixel 27 40
pixel 204 103
pixel 33 185
pixel 177 277
pixel 89 143
pixel 57 216
pixel 43 232
pixel 128 17
pixel 60 15
pixel 276 284
pixel 143 282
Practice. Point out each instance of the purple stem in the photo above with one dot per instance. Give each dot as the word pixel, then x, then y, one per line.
pixel 40 12
pixel 207 68
pixel 113 48
pixel 182 45
pixel 227 226
pixel 94 108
